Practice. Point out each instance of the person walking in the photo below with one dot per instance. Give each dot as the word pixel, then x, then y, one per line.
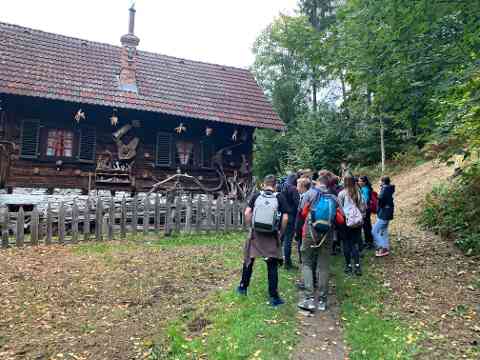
pixel 384 216
pixel 367 192
pixel 267 213
pixel 354 208
pixel 303 185
pixel 317 213
pixel 292 196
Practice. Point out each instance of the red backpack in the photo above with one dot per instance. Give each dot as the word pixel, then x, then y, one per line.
pixel 373 205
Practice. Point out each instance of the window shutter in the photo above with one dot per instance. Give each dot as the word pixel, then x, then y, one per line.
pixel 30 137
pixel 87 145
pixel 164 149
pixel 207 152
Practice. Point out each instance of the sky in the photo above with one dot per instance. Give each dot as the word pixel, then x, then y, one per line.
pixel 215 31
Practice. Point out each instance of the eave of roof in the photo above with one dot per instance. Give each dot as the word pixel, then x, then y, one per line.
pixel 40 64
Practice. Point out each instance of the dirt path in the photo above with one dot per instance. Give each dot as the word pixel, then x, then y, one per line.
pixel 435 287
pixel 321 335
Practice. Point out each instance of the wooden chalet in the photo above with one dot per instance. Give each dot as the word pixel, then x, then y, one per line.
pixel 85 115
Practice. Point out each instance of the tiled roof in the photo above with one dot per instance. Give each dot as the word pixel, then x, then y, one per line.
pixel 46 65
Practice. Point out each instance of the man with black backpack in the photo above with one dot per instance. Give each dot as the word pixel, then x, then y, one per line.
pixel 267 213
pixel 290 192
pixel 317 215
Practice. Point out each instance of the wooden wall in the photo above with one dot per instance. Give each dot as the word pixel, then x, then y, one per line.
pixel 78 173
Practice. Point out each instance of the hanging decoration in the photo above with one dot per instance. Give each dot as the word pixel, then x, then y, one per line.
pixel 114 118
pixel 184 151
pixel 80 115
pixel 180 128
pixel 234 135
pixel 208 131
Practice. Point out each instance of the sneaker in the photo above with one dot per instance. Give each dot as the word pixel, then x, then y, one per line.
pixel 307 304
pixel 382 252
pixel 348 269
pixel 276 301
pixel 241 291
pixel 322 305
pixel 358 270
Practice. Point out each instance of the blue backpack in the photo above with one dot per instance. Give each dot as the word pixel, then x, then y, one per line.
pixel 323 210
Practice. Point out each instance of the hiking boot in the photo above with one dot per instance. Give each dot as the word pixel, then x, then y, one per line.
pixel 322 305
pixel 358 270
pixel 307 304
pixel 241 291
pixel 276 301
pixel 348 269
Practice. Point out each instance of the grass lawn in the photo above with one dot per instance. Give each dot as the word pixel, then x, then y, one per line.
pixel 370 331
pixel 227 326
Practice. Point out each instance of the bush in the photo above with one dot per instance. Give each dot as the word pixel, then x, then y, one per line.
pixel 452 211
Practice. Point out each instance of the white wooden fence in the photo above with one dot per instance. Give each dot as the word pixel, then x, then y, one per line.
pixel 102 219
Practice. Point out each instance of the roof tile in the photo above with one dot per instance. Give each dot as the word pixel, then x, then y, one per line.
pixel 41 64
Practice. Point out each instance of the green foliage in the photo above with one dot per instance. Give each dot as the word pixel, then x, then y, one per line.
pixel 412 64
pixel 452 211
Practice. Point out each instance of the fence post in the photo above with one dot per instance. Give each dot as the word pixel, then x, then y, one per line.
pixel 111 218
pixel 135 215
pixel 86 221
pixel 20 227
pixel 188 216
pixel 156 215
pixel 199 214
pixel 235 215
pixel 178 215
pixel 5 224
pixel 61 223
pixel 99 220
pixel 123 218
pixel 146 215
pixel 34 226
pixel 48 239
pixel 168 215
pixel 226 206
pixel 208 213
pixel 218 207
pixel 74 222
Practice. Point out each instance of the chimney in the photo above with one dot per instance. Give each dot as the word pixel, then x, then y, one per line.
pixel 127 77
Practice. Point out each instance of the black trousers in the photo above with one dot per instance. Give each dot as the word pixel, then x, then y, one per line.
pixel 351 244
pixel 367 228
pixel 272 269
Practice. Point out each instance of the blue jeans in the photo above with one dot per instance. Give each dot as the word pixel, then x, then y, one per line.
pixel 380 233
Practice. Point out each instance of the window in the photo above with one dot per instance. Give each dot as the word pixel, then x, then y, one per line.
pixel 59 143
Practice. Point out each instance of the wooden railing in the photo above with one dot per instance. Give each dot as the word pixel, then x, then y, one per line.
pixel 102 219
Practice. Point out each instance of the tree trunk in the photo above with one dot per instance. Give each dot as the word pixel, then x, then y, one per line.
pixel 314 90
